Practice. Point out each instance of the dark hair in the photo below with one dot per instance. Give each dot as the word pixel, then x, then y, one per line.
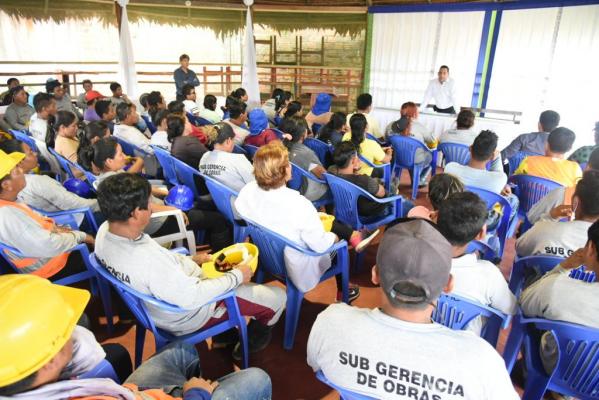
pixel 593 162
pixel 10 81
pixel 236 109
pixel 62 118
pixel 187 88
pixel 154 98
pixel 484 145
pixel 280 97
pixel 143 100
pixel 335 124
pixel 51 85
pixel 364 101
pixel 238 93
pixel 119 195
pixel 441 186
pixel 102 107
pixel 444 66
pixel 175 127
pixel 344 153
pixel 176 107
pixel 465 119
pixel 159 116
pixel 41 101
pixel 210 102
pixel 296 127
pixel 16 90
pixel 549 120
pixel 123 110
pixel 560 140
pixel 183 57
pixel 292 108
pixel 98 153
pixel 95 129
pixel 592 234
pixel 86 81
pixel 114 86
pixel 357 124
pixel 19 386
pixel 11 146
pixel 461 217
pixel 587 191
pixel 223 132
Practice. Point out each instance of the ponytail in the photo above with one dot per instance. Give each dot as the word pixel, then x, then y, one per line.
pixel 97 154
pixel 358 125
pixel 62 118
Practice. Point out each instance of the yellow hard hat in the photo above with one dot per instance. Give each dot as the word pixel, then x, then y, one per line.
pixel 37 318
pixel 234 255
pixel 9 161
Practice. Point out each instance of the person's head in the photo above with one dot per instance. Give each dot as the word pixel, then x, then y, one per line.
pixel 116 89
pixel 358 126
pixel 37 319
pixel 345 157
pixel 258 121
pixel 125 199
pixel 224 139
pixel 413 266
pixel 93 132
pixel 322 104
pixel 591 249
pixel 143 100
pixel 593 160
pixel 560 142
pixel 297 127
pixel 278 95
pixel 12 82
pixel 364 102
pixel 127 114
pixel 337 122
pixel 12 179
pixel 54 88
pixel 294 108
pixel 19 95
pixel 586 196
pixel 271 166
pixel 92 96
pixel 240 94
pixel 176 107
pixel 484 146
pixel 105 155
pixel 175 126
pixel 443 73
pixel 403 126
pixel 44 105
pixel 184 61
pixel 64 124
pixel 15 146
pixel 465 119
pixel 105 110
pixel 409 109
pixel 159 120
pixel 155 100
pixel 237 112
pixel 441 186
pixel 548 121
pixel 210 102
pixel 189 91
pixel 87 85
pixel 461 219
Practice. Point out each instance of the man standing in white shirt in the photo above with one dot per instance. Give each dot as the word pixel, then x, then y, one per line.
pixel 411 357
pixel 442 90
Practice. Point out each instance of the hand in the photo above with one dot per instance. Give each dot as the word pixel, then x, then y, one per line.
pixel 201 258
pixel 246 271
pixel 89 239
pixel 185 218
pixel 575 260
pixel 563 211
pixel 200 383
pixel 507 190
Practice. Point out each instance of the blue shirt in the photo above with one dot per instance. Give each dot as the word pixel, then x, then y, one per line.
pixel 183 78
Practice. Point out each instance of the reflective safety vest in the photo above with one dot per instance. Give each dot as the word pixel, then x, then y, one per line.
pixel 43 267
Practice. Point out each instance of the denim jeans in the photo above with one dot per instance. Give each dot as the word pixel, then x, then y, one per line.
pixel 178 362
pixel 514 203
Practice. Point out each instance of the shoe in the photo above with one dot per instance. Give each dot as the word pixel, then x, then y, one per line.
pixel 259 336
pixel 225 339
pixel 365 239
pixel 353 293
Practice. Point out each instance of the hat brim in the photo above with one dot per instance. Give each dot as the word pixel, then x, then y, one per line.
pixel 14 160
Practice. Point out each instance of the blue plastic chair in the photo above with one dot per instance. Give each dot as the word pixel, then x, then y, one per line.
pixel 386 168
pixel 278 132
pixel 103 289
pixel 130 149
pixel 223 198
pixel 515 161
pixel 345 394
pixel 137 302
pixel 250 150
pixel 67 217
pixel 186 176
pixel 404 152
pixel 525 266
pixel 149 124
pixel 25 138
pixel 167 163
pixel 299 176
pixel 103 370
pixel 456 312
pixel 321 149
pixel 576 373
pixel 271 259
pixel 66 165
pixel 485 251
pixel 455 152
pixel 197 121
pixel 531 189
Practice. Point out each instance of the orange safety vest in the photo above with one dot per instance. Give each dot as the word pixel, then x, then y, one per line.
pixel 36 266
pixel 150 394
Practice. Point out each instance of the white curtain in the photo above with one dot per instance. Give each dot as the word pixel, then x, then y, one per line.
pixel 127 72
pixel 249 77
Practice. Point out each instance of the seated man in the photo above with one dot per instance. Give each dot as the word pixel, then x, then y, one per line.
pixel 53 352
pixel 403 359
pixel 5 98
pixel 231 169
pixel 127 130
pixel 45 107
pixel 107 113
pixel 189 92
pixel 63 99
pixel 552 237
pixel 160 137
pixel 18 114
pixel 210 111
pixel 348 165
pixel 44 245
pixel 461 220
pixel 553 165
pixel 237 118
pixel 135 258
pixel 364 106
pixel 463 133
pixel 533 142
pixel 557 296
pixel 118 97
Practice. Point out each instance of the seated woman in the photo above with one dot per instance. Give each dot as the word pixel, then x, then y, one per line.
pixel 209 112
pixel 293 109
pixel 62 135
pixel 274 106
pixel 368 148
pixel 320 113
pixel 260 133
pixel 268 202
pixel 332 133
pixel 178 108
pixel 183 147
pixel 463 133
pixel 93 132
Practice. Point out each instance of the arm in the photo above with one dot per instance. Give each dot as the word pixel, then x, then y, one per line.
pixel 525 245
pixel 194 81
pixel 497 164
pixel 62 199
pixel 512 148
pixel 313 233
pixel 542 209
pixel 137 166
pixel 12 119
pixel 428 94
pixel 318 171
pixel 532 300
pixel 179 81
pixel 500 296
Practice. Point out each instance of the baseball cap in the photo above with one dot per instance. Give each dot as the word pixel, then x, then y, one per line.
pixel 93 95
pixel 413 260
pixel 9 161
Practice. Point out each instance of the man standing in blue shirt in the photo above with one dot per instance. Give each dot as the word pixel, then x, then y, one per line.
pixel 184 76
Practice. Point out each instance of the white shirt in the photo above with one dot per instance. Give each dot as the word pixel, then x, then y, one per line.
pixel 459 136
pixel 288 213
pixel 212 116
pixel 493 180
pixel 553 238
pixel 133 135
pixel 372 353
pixel 442 93
pixel 373 124
pixel 160 139
pixel 191 106
pixel 483 282
pixel 231 169
pixel 38 127
pixel 47 194
pixel 240 133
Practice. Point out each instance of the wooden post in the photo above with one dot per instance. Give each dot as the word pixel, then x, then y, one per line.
pixel 118 12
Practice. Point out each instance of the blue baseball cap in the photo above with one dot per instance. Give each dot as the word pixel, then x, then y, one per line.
pixel 258 121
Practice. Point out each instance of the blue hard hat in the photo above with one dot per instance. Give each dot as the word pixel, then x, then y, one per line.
pixel 79 187
pixel 180 196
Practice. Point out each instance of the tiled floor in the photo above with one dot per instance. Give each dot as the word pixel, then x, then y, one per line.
pixel 291 376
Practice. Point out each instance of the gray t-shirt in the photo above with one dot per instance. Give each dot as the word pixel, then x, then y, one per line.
pixel 231 169
pixel 45 193
pixel 305 158
pixel 17 116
